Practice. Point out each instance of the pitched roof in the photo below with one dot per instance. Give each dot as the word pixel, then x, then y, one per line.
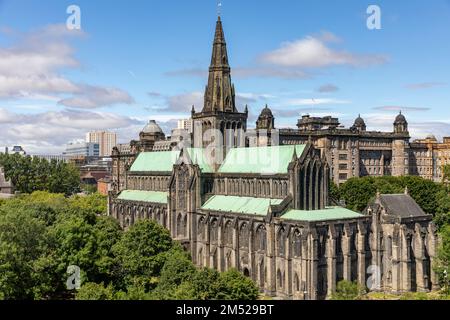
pixel 155 161
pixel 401 205
pixel 330 213
pixel 257 160
pixel 199 157
pixel 144 196
pixel 260 160
pixel 244 205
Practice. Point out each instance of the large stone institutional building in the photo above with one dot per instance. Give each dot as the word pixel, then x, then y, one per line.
pixel 265 209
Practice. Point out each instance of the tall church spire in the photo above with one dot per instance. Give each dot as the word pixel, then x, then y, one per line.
pixel 219 93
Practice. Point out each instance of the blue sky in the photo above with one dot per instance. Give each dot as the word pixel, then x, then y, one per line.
pixel 139 60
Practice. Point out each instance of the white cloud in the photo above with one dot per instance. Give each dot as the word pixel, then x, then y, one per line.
pixel 183 102
pixel 48 132
pixel 313 102
pixel 33 66
pixel 94 97
pixel 313 52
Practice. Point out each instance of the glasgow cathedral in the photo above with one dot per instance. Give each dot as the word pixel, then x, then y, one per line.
pixel 258 200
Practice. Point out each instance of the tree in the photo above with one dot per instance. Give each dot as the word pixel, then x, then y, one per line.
pixel 35 174
pixel 235 286
pixel 442 266
pixel 446 173
pixel 203 285
pixel 141 251
pixel 22 244
pixel 94 291
pixel 177 269
pixel 346 290
pixel 357 193
pixel 334 192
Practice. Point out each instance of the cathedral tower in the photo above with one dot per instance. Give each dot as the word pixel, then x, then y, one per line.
pixel 219 113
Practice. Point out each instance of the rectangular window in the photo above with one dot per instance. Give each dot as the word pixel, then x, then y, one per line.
pixel 343 157
pixel 343 166
pixel 342 176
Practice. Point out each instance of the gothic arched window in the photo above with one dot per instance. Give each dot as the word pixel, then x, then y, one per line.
pixel 281 242
pixel 243 236
pixel 260 241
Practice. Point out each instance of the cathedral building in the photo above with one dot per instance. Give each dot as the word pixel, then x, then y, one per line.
pixel 265 210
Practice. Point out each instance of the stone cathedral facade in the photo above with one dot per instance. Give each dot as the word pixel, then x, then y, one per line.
pixel 266 210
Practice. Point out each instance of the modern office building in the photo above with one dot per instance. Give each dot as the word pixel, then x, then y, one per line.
pixel 82 149
pixel 106 140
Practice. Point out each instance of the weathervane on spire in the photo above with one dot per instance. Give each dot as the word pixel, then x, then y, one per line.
pixel 219 7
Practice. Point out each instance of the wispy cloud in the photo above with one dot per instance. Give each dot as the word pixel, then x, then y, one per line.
pixel 245 73
pixel 401 108
pixel 314 102
pixel 327 88
pixel 425 85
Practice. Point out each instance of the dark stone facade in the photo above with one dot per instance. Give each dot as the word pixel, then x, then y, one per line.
pixel 301 256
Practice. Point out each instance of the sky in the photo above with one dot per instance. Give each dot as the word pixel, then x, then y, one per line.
pixel 137 60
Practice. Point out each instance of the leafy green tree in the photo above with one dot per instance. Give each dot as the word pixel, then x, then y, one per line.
pixel 346 290
pixel 446 173
pixel 177 269
pixel 335 194
pixel 22 244
pixel 357 193
pixel 94 291
pixel 35 174
pixel 235 286
pixel 442 266
pixel 95 203
pixel 203 285
pixel 142 251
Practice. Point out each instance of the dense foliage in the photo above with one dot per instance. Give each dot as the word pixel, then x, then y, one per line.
pixel 443 261
pixel 29 174
pixel 346 290
pixel 42 234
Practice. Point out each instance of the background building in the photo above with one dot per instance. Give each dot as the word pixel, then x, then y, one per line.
pixel 50 157
pixel 185 124
pixel 83 149
pixel 106 140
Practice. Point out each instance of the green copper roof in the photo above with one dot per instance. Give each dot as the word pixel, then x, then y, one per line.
pixel 260 160
pixel 331 213
pixel 199 157
pixel 245 205
pixel 155 161
pixel 143 196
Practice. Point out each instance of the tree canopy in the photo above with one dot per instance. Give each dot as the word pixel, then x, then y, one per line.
pixel 42 234
pixel 29 174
